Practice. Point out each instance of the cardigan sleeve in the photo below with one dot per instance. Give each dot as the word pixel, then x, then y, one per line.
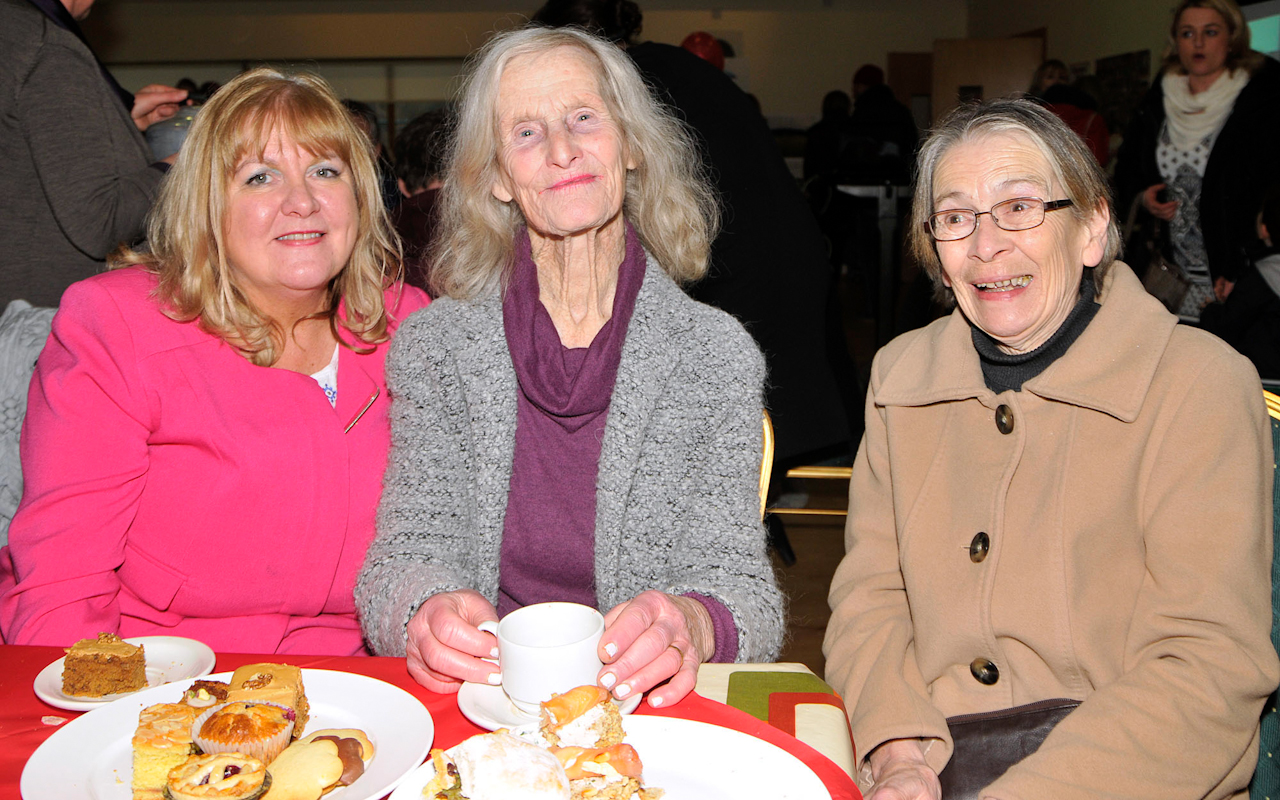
pixel 1199 662
pixel 84 461
pixel 870 642
pixel 425 522
pixel 80 145
pixel 723 554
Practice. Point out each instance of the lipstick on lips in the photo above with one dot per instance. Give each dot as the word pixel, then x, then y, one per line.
pixel 576 180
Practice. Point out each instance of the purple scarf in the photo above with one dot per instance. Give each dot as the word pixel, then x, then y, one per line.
pixel 562 403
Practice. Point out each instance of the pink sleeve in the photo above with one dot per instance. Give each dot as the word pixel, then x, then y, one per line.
pixel 84 462
pixel 726 631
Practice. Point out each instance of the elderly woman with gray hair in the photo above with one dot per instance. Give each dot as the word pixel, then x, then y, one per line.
pixel 1060 513
pixel 568 424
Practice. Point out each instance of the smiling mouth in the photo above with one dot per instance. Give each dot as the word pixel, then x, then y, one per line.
pixel 580 179
pixel 1006 285
pixel 298 237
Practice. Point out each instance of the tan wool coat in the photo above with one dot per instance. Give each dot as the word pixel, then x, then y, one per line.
pixel 1128 514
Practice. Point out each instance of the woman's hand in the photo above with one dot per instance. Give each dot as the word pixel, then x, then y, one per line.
pixel 445 647
pixel 154 103
pixel 1222 289
pixel 652 638
pixel 901 773
pixel 1164 211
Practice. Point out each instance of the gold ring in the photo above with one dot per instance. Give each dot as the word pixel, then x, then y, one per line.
pixel 683 655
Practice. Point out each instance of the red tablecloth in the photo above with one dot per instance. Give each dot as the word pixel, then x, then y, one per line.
pixel 23 728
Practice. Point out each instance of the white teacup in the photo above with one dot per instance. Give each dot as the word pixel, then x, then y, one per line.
pixel 546 649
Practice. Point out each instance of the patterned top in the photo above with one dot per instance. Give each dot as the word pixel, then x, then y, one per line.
pixel 1183 171
pixel 328 378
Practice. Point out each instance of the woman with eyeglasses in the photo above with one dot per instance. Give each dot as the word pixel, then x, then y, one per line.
pixel 1200 151
pixel 1062 497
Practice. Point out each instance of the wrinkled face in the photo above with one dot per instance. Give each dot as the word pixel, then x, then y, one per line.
pixel 1017 286
pixel 561 154
pixel 290 222
pixel 1203 42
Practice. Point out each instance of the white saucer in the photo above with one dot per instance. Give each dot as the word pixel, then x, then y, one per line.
pixel 169 658
pixel 490 708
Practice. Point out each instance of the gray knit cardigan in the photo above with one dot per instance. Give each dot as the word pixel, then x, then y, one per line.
pixel 677 503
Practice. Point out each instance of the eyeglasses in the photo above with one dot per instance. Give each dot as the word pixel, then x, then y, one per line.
pixel 1018 214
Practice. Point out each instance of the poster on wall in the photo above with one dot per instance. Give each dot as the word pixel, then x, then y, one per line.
pixel 1124 80
pixel 1264 26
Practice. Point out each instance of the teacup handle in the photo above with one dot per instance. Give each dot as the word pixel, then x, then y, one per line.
pixel 489 626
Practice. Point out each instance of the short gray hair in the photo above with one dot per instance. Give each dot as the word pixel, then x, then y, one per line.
pixel 668 199
pixel 1074 166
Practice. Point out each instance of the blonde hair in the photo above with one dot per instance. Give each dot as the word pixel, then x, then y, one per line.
pixel 669 199
pixel 185 231
pixel 1240 54
pixel 1074 167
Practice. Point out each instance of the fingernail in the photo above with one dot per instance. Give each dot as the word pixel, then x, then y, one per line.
pixel 655 701
pixel 611 649
pixel 495 679
pixel 622 691
pixel 493 653
pixel 607 680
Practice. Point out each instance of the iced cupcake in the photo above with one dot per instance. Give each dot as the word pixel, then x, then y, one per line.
pixel 260 730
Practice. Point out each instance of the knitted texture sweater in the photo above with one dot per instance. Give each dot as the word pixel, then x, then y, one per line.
pixel 677 502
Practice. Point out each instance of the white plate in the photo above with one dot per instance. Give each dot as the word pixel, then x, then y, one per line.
pixel 169 658
pixel 696 761
pixel 92 756
pixel 490 708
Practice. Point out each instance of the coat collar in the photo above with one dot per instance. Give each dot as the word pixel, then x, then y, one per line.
pixel 1108 369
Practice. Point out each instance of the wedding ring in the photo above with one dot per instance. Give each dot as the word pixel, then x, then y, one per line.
pixel 683 654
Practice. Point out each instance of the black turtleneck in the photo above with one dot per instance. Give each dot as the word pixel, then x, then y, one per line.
pixel 1002 371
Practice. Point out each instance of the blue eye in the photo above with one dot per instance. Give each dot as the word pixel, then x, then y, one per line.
pixel 583 117
pixel 258 179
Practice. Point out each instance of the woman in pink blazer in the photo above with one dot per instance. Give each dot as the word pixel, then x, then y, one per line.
pixel 207 426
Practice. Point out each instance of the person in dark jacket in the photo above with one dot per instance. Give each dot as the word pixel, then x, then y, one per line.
pixel 1249 318
pixel 823 139
pixel 1201 150
pixel 78 177
pixel 881 135
pixel 418 170
pixel 769 265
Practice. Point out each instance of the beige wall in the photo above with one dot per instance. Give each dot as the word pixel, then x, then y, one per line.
pixel 1080 30
pixel 790 59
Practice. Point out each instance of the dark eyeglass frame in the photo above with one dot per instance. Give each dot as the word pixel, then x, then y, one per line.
pixel 1049 205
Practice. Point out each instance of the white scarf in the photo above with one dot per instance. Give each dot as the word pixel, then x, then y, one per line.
pixel 1192 117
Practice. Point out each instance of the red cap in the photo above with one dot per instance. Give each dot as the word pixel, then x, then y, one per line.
pixel 704 46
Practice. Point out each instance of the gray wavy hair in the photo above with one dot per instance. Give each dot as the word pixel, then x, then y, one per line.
pixel 669 199
pixel 1073 165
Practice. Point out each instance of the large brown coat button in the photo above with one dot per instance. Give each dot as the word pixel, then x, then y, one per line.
pixel 978 547
pixel 1004 419
pixel 984 671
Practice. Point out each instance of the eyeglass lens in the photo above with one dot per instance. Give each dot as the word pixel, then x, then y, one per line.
pixel 1018 214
